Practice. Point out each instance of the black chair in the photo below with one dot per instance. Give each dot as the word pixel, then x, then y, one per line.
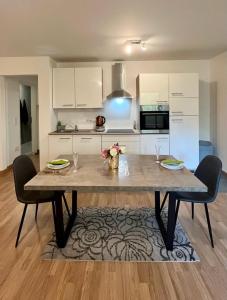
pixel 23 171
pixel 209 172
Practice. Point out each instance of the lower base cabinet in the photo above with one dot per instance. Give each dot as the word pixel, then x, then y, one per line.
pixel 149 141
pixel 93 144
pixel 184 139
pixel 131 143
pixel 60 145
pixel 87 144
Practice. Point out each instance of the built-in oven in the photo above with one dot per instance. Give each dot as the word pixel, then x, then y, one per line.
pixel 154 119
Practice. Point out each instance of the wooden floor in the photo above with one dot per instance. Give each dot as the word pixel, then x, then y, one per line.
pixel 23 275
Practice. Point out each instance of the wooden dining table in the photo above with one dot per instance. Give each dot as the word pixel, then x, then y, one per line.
pixel 136 173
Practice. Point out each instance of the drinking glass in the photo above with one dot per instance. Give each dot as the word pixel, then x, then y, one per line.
pixel 75 160
pixel 157 153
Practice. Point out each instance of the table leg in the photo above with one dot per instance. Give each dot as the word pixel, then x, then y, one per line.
pixel 157 203
pixel 171 223
pixel 167 234
pixel 61 233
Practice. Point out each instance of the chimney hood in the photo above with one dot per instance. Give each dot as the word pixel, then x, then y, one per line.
pixel 118 83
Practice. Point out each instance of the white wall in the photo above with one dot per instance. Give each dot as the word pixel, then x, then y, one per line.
pixel 133 68
pixel 3 126
pixel 13 119
pixel 218 66
pixel 41 66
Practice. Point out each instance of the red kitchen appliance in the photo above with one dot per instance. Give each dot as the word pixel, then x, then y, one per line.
pixel 100 121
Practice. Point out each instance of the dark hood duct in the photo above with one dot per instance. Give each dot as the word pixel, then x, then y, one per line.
pixel 118 83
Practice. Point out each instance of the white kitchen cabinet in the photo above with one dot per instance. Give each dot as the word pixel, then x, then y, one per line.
pixel 184 139
pixel 60 145
pixel 131 142
pixel 63 88
pixel 148 142
pixel 184 85
pixel 153 89
pixel 88 87
pixel 87 144
pixel 184 106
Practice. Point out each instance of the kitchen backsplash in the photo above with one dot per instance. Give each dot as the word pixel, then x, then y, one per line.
pixel 118 113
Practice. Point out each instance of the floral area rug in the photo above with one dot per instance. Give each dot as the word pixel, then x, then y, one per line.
pixel 120 234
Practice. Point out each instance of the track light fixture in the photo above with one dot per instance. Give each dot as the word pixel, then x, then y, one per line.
pixel 134 43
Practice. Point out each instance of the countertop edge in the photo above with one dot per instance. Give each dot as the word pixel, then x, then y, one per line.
pixel 92 133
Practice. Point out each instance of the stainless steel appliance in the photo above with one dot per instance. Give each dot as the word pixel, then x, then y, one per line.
pixel 118 83
pixel 154 119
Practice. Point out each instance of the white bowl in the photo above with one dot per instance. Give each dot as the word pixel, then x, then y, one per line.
pixel 172 167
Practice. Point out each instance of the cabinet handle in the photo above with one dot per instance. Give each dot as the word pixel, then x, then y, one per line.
pixel 67 105
pixel 64 138
pixel 177 94
pixel 81 105
pixel 88 138
pixel 177 112
pixel 161 101
pixel 177 120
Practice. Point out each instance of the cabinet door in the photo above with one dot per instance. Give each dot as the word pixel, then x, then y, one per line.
pixel 63 88
pixel 131 143
pixel 184 140
pixel 153 89
pixel 184 106
pixel 87 144
pixel 59 145
pixel 148 142
pixel 184 85
pixel 88 87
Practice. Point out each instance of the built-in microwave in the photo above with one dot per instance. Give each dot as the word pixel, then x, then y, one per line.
pixel 154 119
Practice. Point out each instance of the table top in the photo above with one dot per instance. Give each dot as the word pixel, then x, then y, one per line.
pixel 135 173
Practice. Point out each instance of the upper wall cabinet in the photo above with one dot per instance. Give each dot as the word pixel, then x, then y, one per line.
pixel 184 85
pixel 153 89
pixel 88 87
pixel 63 88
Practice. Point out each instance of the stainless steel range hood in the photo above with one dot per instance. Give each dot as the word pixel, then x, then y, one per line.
pixel 118 83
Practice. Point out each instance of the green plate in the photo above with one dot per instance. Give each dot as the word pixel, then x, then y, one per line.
pixel 172 162
pixel 58 162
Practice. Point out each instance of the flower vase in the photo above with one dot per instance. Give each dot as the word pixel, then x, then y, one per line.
pixel 114 162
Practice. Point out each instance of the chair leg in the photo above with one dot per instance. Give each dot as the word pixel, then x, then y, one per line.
pixel 164 201
pixel 36 211
pixel 66 205
pixel 192 210
pixel 21 225
pixel 208 223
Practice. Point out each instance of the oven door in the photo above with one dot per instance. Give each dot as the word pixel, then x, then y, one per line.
pixel 154 121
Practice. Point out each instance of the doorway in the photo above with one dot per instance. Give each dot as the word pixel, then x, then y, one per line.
pixel 22 114
pixel 25 119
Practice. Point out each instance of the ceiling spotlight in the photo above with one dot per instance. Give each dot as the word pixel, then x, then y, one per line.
pixel 143 46
pixel 128 49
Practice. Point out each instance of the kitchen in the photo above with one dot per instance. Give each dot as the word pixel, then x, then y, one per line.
pixel 164 114
pixel 81 218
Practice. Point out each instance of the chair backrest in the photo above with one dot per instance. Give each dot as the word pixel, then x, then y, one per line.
pixel 209 172
pixel 23 171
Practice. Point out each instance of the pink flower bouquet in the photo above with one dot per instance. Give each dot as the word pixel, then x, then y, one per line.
pixel 113 151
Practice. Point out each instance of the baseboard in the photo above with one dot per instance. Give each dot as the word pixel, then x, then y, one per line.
pixel 3 172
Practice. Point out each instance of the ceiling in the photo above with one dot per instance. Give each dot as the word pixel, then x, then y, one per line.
pixel 98 29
